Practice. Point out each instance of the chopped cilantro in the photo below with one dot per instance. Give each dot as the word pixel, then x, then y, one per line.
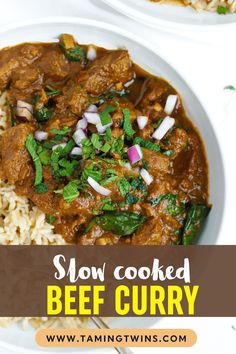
pixel 127 123
pixel 108 205
pixel 43 114
pixel 41 188
pixel 73 54
pixel 71 191
pixel 131 199
pixel 121 204
pixel 110 177
pixel 51 92
pixel 95 140
pixel 146 164
pixel 124 186
pixel 50 218
pixel 105 115
pixel 222 10
pixel 230 87
pixel 118 146
pixel 137 183
pixel 93 171
pixel 105 148
pixel 88 149
pixel 147 144
pixel 43 156
pixel 172 208
pixel 64 131
pixel 31 146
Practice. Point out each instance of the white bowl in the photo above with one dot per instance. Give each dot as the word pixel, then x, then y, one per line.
pixel 171 17
pixel 102 34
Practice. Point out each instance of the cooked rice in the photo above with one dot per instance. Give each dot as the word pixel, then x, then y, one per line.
pixel 207 5
pixel 22 225
pixel 211 5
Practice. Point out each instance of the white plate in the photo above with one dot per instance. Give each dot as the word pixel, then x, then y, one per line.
pixel 171 16
pixel 102 34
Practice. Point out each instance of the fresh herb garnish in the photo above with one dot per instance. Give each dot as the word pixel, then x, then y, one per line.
pixel 31 146
pixel 62 132
pixel 118 146
pixel 105 115
pixel 96 141
pixel 172 208
pixel 137 183
pixel 50 218
pixel 110 177
pixel 147 144
pixel 230 87
pixel 108 205
pixel 43 155
pixel 41 188
pixel 76 53
pixel 93 171
pixel 131 199
pixel 43 114
pixel 129 132
pixel 51 92
pixel 71 191
pixel 222 10
pixel 124 186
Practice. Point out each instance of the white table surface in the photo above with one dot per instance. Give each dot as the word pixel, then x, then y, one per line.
pixel 209 60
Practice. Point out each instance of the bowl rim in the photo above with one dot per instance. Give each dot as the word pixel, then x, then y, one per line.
pixel 149 20
pixel 152 48
pixel 148 45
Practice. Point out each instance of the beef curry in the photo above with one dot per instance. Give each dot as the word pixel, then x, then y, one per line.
pixel 102 147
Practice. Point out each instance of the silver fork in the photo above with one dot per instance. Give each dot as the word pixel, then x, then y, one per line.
pixel 101 324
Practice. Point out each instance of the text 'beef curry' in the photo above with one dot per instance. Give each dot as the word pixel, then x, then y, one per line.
pixel 101 146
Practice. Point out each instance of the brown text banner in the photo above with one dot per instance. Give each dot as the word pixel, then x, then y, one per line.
pixel 117 281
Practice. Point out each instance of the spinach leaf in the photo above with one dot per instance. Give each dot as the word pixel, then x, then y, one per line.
pixel 119 223
pixel 194 221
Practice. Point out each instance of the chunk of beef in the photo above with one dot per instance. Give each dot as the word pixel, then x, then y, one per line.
pixel 25 82
pixel 15 159
pixel 156 91
pixel 157 231
pixel 6 70
pixel 108 70
pixel 54 65
pixel 159 163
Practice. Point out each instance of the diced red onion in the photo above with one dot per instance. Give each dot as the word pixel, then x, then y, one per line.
pixel 92 108
pixel 91 53
pixel 97 187
pixel 135 153
pixel 76 151
pixel 102 128
pixel 79 135
pixel 82 124
pixel 92 117
pixel 142 121
pixel 24 110
pixel 163 128
pixel 56 146
pixel 40 135
pixel 148 179
pixel 171 102
pixel 128 166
